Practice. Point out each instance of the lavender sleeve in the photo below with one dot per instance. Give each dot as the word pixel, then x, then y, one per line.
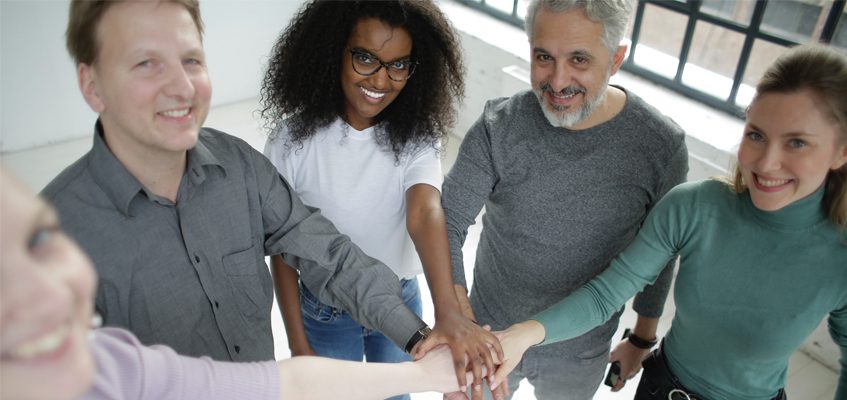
pixel 126 369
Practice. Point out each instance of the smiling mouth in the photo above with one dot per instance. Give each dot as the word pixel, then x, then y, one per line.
pixel 45 344
pixel 176 113
pixel 375 95
pixel 771 183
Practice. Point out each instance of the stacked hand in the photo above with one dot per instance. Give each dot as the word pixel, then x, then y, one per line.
pixel 476 351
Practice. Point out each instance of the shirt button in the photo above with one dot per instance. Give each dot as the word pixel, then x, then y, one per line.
pixel 238 349
pixel 196 258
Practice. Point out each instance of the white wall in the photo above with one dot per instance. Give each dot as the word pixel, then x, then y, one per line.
pixel 39 99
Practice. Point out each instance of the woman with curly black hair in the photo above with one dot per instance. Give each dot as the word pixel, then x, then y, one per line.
pixel 359 97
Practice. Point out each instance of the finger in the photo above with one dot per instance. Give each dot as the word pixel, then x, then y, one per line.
pixel 498 348
pixel 490 363
pixel 500 392
pixel 476 389
pixel 500 375
pixel 476 370
pixel 460 366
pixel 455 396
pixel 424 347
pixel 619 385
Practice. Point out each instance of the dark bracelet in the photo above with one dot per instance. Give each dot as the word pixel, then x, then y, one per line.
pixel 641 343
pixel 419 335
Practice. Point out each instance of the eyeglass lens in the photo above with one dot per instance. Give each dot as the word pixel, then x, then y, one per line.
pixel 366 65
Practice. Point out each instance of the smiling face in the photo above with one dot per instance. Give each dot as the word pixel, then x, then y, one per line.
pixel 570 66
pixel 366 96
pixel 46 287
pixel 149 84
pixel 788 148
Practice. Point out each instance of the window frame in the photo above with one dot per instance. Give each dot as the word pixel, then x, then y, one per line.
pixel 691 9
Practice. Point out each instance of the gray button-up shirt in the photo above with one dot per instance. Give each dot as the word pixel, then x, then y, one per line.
pixel 191 274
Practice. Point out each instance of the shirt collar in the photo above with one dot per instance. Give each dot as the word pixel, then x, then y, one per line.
pixel 122 187
pixel 200 156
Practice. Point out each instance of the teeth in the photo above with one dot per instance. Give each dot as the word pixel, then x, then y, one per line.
pixel 43 345
pixel 563 96
pixel 176 113
pixel 771 182
pixel 372 94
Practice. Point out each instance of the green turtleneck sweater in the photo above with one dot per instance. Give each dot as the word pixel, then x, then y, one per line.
pixel 751 286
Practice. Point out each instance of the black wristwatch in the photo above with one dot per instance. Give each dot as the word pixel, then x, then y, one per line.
pixel 419 335
pixel 640 342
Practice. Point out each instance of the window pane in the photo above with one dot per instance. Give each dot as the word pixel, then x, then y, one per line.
pixel 502 5
pixel 522 4
pixel 839 39
pixel 762 56
pixel 712 59
pixel 660 40
pixel 794 20
pixel 734 10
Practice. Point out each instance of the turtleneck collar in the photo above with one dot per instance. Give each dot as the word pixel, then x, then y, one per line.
pixel 797 216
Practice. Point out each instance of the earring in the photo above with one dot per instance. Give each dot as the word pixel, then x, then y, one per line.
pixel 96 321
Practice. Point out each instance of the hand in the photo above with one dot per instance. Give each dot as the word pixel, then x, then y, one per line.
pixel 455 396
pixel 436 365
pixel 474 348
pixel 515 341
pixel 630 358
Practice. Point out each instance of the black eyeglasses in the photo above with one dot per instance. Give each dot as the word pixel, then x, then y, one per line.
pixel 367 64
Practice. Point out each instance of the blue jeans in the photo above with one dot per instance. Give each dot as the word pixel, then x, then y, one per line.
pixel 333 333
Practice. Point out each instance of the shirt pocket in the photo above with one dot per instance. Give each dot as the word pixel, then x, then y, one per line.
pixel 243 272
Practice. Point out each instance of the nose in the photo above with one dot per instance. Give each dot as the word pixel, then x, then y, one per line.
pixel 560 77
pixel 179 83
pixel 770 159
pixel 380 79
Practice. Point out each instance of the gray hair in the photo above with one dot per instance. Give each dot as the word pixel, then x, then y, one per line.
pixel 612 14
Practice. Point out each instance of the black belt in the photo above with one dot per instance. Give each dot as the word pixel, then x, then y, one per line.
pixel 656 370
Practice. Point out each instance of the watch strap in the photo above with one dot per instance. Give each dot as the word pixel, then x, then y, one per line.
pixel 419 335
pixel 640 342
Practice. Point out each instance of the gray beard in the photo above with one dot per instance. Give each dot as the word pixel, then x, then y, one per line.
pixel 569 118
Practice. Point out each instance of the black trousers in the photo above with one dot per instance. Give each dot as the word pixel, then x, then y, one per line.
pixel 657 381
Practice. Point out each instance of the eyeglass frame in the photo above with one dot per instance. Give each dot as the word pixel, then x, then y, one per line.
pixel 353 52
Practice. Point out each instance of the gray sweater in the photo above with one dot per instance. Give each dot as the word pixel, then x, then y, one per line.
pixel 559 204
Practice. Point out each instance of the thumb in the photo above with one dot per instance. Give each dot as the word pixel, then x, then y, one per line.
pixel 424 347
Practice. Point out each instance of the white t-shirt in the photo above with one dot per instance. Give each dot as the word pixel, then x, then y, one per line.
pixel 359 187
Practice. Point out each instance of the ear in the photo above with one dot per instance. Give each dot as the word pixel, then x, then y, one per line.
pixel 87 79
pixel 841 158
pixel 618 57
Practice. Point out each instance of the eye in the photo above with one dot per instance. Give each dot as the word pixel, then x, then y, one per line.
pixel 754 136
pixel 543 57
pixel 797 143
pixel 42 238
pixel 580 60
pixel 145 64
pixel 399 65
pixel 193 61
pixel 363 58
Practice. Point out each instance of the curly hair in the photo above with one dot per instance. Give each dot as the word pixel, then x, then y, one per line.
pixel 303 80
